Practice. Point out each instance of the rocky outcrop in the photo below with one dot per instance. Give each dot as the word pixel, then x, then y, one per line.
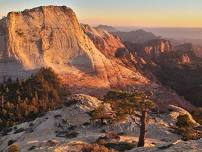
pixel 185 59
pixel 176 111
pixel 156 47
pixel 104 41
pixel 84 101
pixel 151 49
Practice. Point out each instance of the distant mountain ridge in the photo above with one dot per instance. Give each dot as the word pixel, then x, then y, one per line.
pixel 107 28
pixel 138 36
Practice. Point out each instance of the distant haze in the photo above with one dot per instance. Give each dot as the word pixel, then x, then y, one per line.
pixel 177 33
pixel 193 35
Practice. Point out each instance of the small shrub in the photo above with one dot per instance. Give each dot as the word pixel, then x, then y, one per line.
pixel 4 134
pixel 52 143
pixel 58 116
pixel 184 121
pixel 5 131
pixel 86 124
pixel 121 133
pixel 31 124
pixel 32 148
pixel 10 142
pixel 101 141
pixel 71 128
pixel 19 130
pixel 71 135
pixel 189 134
pixel 96 148
pixel 103 131
pixel 108 138
pixel 165 147
pixel 69 103
pixel 14 148
pixel 123 146
pixel 186 129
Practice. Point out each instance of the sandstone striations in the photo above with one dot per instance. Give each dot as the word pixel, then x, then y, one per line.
pixel 104 41
pixel 52 36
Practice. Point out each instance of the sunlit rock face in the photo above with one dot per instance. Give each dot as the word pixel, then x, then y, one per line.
pixel 51 36
pixel 185 59
pixel 9 65
pixel 46 36
pixel 104 41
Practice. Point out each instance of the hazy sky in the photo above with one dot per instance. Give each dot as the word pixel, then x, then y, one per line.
pixel 147 13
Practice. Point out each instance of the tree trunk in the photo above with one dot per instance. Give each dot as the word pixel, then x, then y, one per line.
pixel 143 123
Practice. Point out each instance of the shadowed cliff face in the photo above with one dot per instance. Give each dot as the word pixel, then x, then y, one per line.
pixel 151 49
pixel 177 67
pixel 156 47
pixel 3 38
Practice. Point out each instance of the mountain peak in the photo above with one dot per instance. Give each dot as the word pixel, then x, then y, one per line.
pixel 64 8
pixel 51 36
pixel 107 28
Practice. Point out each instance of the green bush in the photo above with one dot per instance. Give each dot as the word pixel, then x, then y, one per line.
pixel 119 95
pixel 183 121
pixel 186 129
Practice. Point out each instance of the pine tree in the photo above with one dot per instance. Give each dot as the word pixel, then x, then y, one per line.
pixel 135 104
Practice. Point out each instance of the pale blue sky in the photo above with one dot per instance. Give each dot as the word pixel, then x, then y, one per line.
pixel 149 13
